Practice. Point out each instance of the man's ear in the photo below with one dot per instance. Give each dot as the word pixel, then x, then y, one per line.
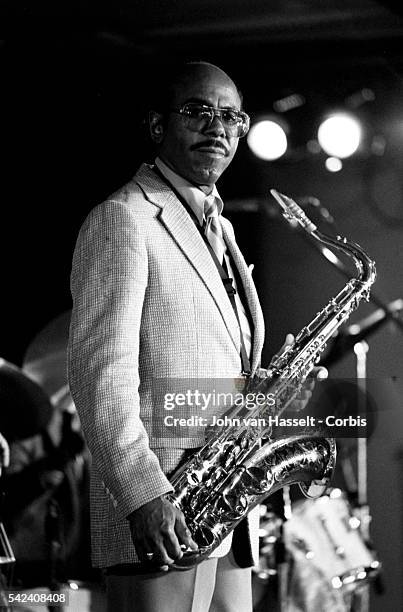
pixel 156 125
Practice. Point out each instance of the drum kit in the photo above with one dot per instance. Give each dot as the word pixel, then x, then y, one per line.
pixel 315 555
pixel 44 533
pixel 317 559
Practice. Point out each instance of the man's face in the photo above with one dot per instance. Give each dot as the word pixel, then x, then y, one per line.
pixel 200 157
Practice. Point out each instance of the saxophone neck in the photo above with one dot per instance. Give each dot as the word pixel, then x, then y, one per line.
pixel 365 266
pixel 294 214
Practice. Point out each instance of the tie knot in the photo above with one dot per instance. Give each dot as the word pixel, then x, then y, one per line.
pixel 211 207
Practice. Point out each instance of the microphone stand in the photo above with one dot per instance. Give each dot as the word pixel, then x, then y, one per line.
pixel 361 597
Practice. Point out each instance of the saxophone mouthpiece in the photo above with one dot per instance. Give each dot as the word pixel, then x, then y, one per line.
pixel 292 212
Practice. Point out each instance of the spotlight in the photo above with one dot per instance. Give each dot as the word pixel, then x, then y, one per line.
pixel 289 103
pixel 333 164
pixel 267 140
pixel 340 135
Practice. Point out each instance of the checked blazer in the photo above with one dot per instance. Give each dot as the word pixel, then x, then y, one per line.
pixel 148 303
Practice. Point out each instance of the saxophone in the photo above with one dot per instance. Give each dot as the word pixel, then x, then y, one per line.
pixel 241 464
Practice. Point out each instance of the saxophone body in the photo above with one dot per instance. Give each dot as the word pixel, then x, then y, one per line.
pixel 241 464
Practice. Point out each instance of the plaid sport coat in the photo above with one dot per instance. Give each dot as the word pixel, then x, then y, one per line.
pixel 148 303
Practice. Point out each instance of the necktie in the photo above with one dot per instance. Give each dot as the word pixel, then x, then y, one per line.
pixel 213 230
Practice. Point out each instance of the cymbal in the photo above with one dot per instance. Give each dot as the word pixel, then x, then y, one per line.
pixel 45 359
pixel 25 409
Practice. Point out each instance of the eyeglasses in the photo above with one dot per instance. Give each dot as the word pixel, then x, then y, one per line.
pixel 198 116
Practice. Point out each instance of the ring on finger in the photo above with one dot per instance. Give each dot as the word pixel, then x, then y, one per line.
pixel 149 556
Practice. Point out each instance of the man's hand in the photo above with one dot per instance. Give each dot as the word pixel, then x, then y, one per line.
pixel 318 372
pixel 159 528
pixel 305 393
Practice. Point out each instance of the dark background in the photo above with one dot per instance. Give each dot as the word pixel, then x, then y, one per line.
pixel 75 78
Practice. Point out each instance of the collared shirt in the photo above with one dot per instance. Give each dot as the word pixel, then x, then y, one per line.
pixel 195 197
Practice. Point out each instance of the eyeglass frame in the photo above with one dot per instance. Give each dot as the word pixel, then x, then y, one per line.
pixel 216 112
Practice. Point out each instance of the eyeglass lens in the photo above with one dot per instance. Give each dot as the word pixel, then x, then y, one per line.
pixel 233 122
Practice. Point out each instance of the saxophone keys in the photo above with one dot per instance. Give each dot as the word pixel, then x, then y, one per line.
pixel 236 505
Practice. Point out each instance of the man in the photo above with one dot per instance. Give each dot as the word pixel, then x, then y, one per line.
pixel 149 303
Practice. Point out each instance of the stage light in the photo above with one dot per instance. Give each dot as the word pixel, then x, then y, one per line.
pixel 288 103
pixel 267 140
pixel 333 164
pixel 73 585
pixel 340 135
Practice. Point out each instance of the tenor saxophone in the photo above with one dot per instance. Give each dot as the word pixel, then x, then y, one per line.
pixel 241 465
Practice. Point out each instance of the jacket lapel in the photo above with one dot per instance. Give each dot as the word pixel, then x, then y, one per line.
pixel 251 296
pixel 182 228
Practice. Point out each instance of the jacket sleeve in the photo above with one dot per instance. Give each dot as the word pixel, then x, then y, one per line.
pixel 109 280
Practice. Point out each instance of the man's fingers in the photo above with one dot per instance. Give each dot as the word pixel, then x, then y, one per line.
pixel 152 551
pixel 144 551
pixel 309 384
pixel 159 548
pixel 171 542
pixel 183 533
pixel 304 395
pixel 289 341
pixel 306 391
pixel 320 372
pixel 162 555
pixel 160 533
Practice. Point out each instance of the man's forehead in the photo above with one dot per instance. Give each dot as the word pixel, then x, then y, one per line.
pixel 208 86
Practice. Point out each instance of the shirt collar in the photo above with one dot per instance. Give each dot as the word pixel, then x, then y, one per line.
pixel 193 195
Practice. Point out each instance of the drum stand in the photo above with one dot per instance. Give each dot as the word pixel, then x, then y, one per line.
pixel 54 545
pixel 283 571
pixel 7 560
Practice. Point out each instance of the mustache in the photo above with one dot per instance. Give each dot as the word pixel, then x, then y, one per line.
pixel 210 142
